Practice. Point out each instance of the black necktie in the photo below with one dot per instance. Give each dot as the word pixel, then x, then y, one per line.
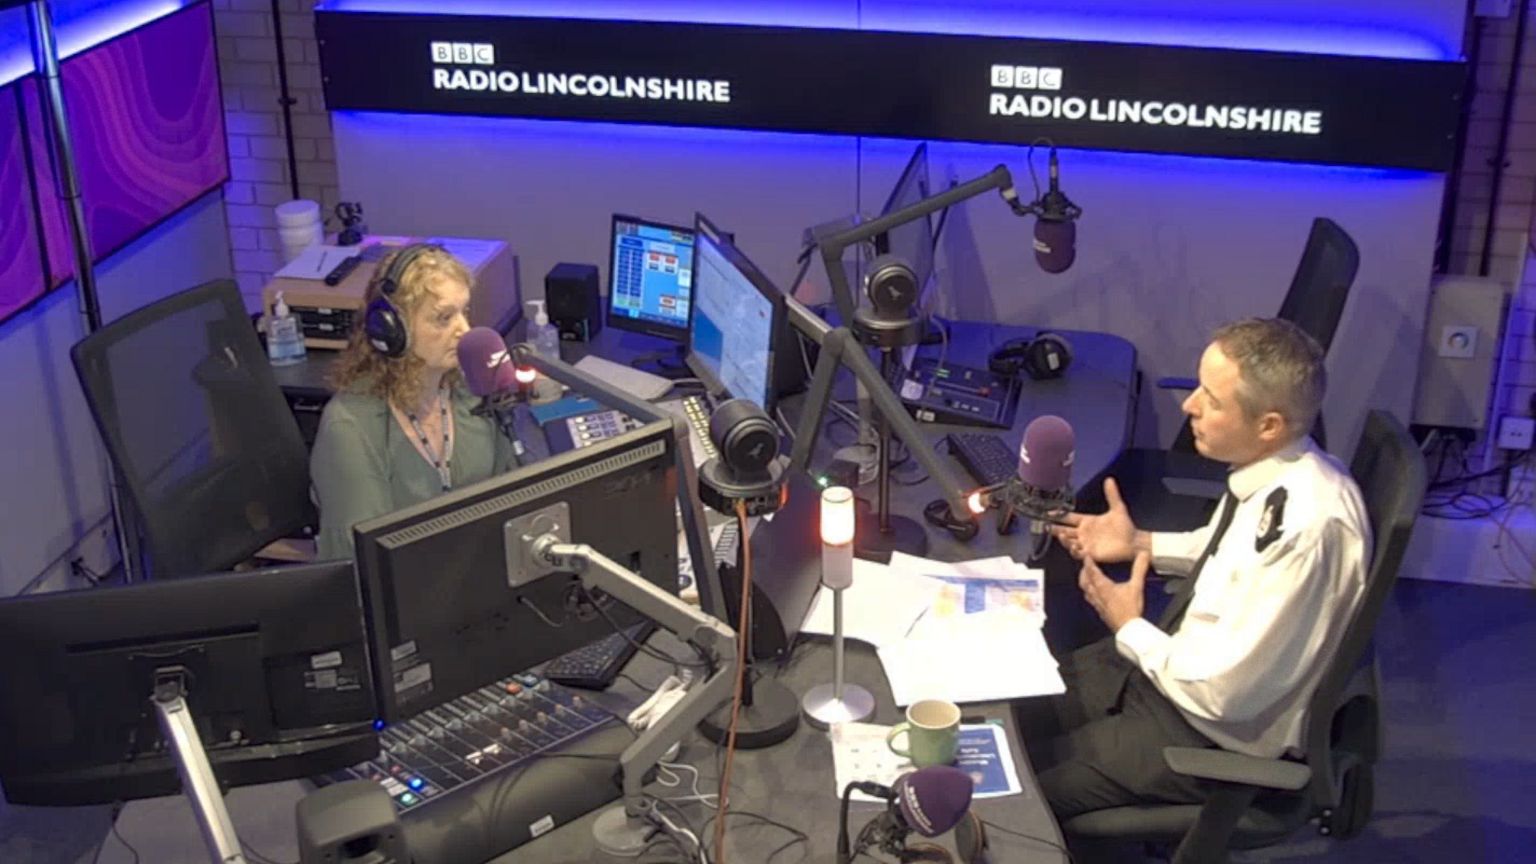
pixel 1173 616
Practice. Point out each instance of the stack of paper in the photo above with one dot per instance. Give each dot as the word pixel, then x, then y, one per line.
pixel 880 606
pixel 966 631
pixel 980 639
pixel 988 656
pixel 973 587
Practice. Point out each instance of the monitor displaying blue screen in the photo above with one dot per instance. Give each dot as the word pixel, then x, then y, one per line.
pixel 650 277
pixel 738 312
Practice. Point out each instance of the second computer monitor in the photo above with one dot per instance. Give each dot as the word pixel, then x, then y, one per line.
pixel 738 316
pixel 911 241
pixel 650 277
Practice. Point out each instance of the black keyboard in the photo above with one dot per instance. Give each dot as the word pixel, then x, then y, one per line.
pixel 595 666
pixel 984 456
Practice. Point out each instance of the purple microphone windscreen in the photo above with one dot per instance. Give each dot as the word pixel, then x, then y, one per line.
pixel 933 800
pixel 482 354
pixel 1045 457
pixel 1055 244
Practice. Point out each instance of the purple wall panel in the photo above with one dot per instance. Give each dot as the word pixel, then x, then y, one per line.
pixel 147 122
pixel 21 263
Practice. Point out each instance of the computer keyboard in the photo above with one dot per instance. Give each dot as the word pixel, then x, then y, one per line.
pixel 595 666
pixel 985 456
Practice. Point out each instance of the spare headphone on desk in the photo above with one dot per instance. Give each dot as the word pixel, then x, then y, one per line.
pixel 1047 355
pixel 383 322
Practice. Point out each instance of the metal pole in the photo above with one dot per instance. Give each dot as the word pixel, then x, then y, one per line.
pixel 45 54
pixel 887 364
pixel 837 644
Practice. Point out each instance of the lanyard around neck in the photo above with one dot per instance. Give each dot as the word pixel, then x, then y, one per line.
pixel 442 460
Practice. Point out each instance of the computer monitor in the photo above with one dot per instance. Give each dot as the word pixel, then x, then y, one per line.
pixel 912 241
pixel 273 663
pixel 440 613
pixel 737 322
pixel 650 278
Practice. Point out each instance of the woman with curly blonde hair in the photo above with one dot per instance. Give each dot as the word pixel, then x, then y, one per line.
pixel 400 428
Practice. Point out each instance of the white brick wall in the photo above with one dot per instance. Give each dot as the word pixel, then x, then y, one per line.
pixel 258 148
pixel 1512 260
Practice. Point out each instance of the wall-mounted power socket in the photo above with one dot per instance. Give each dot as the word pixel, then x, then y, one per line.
pixel 1516 433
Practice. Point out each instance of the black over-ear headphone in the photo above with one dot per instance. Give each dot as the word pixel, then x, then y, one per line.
pixel 383 322
pixel 1047 355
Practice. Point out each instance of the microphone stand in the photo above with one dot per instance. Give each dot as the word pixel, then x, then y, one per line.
pixel 503 410
pixel 839 346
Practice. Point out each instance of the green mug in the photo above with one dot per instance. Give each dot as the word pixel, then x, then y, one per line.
pixel 932 728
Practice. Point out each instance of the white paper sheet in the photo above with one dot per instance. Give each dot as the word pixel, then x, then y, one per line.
pixel 984 657
pixel 315 262
pixel 974 587
pixel 859 752
pixel 879 607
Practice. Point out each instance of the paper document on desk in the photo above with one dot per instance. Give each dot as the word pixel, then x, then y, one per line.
pixel 879 607
pixel 974 587
pixel 983 752
pixel 315 262
pixel 859 752
pixel 989 656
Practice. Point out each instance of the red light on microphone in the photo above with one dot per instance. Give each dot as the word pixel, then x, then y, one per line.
pixel 526 375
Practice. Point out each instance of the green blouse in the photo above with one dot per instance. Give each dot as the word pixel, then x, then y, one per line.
pixel 364 465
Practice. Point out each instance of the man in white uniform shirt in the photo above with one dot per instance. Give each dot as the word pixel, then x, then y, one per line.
pixel 1271 581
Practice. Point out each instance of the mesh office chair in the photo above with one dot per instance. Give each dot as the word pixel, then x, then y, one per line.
pixel 205 444
pixel 1256 802
pixel 1177 489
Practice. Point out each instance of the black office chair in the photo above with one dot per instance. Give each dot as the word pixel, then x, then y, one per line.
pixel 1257 802
pixel 203 440
pixel 1177 489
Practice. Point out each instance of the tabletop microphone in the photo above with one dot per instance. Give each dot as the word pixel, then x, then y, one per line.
pixel 490 374
pixel 1055 226
pixel 929 801
pixel 1042 490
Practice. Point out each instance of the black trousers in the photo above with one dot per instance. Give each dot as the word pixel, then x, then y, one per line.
pixel 1100 744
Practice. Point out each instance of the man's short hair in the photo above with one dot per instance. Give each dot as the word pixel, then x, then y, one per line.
pixel 1281 370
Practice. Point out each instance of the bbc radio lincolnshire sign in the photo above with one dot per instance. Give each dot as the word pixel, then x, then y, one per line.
pixel 1158 99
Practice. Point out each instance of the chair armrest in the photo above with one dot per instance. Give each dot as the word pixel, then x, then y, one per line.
pixel 1229 767
pixel 1176 383
pixel 289 549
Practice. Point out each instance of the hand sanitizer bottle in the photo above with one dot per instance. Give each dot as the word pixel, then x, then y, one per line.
pixel 542 334
pixel 285 344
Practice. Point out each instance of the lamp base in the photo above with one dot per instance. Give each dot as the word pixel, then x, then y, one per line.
pixel 872 544
pixel 620 835
pixel 772 717
pixel 823 708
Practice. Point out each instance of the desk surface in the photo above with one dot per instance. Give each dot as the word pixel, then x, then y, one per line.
pixel 791 783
